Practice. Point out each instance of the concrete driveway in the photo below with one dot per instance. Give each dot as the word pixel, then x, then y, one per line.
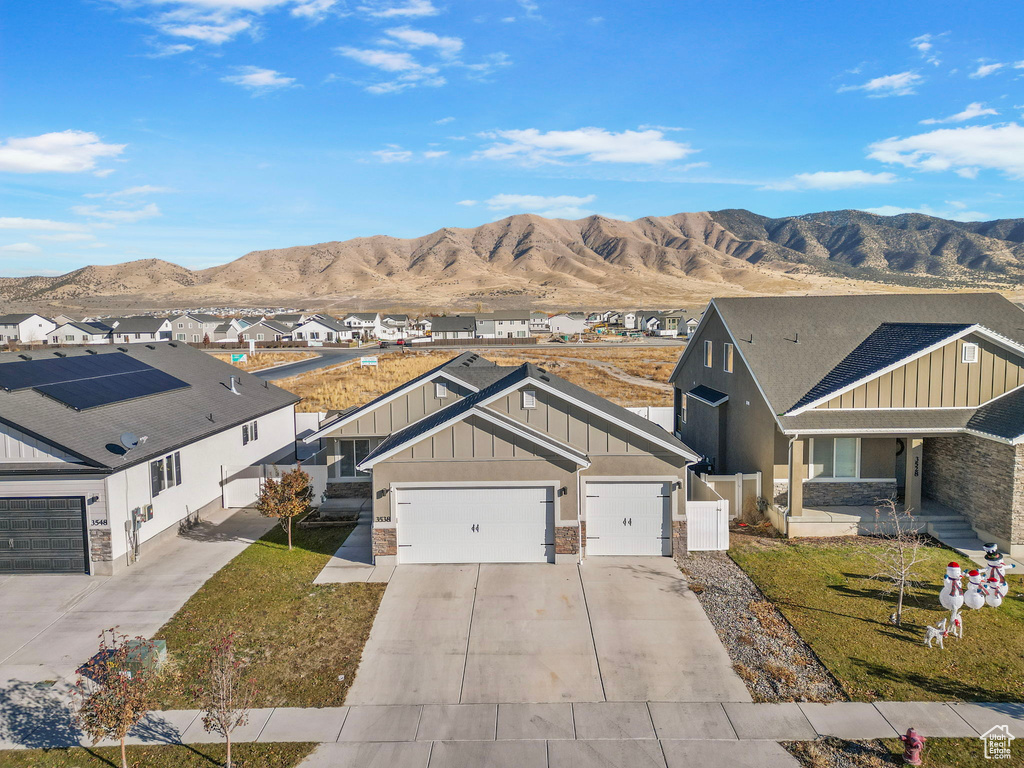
pixel 50 623
pixel 612 629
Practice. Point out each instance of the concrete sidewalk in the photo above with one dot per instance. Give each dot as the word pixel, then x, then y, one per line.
pixel 353 562
pixel 32 722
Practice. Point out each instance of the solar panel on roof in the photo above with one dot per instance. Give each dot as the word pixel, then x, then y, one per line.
pixel 92 393
pixel 33 373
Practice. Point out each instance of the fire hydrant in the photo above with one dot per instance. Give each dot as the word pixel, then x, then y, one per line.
pixel 913 743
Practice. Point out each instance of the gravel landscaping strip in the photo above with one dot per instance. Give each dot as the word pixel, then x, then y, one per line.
pixel 766 651
pixel 829 752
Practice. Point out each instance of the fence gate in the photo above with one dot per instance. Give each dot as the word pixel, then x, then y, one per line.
pixel 707 525
pixel 240 486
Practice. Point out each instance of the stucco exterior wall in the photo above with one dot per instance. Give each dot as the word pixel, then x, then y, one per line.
pixel 981 479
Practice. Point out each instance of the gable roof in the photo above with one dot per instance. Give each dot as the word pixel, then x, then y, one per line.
pixel 136 324
pixel 1003 417
pixel 273 325
pixel 90 328
pixel 363 317
pixel 453 323
pixel 505 314
pixel 169 420
pixel 14 319
pixel 203 317
pixel 327 322
pixel 791 343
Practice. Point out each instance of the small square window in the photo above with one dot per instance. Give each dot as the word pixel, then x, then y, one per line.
pixel 970 353
pixel 529 398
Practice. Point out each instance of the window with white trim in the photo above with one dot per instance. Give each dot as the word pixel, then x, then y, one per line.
pixel 971 353
pixel 165 473
pixel 349 453
pixel 250 433
pixel 682 409
pixel 727 353
pixel 529 398
pixel 709 354
pixel 440 390
pixel 835 458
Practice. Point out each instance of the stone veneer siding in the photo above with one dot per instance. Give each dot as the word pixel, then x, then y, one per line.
pixel 567 540
pixel 100 548
pixel 780 493
pixel 825 494
pixel 385 541
pixel 979 478
pixel 679 538
pixel 349 490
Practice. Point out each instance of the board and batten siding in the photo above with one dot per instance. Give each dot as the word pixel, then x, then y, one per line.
pixel 400 412
pixel 940 379
pixel 16 446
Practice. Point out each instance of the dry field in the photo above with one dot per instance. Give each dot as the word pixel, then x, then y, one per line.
pixel 347 385
pixel 263 360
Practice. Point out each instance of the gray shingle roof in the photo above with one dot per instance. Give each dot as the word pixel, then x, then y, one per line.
pixel 1003 417
pixel 15 319
pixel 453 323
pixel 169 420
pixel 138 324
pixel 328 322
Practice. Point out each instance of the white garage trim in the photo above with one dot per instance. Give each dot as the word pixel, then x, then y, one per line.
pixel 470 522
pixel 646 515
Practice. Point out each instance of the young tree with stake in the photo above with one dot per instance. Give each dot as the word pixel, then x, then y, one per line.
pixel 229 694
pixel 114 689
pixel 286 498
pixel 899 554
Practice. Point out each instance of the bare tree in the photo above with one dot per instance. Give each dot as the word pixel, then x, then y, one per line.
pixel 230 691
pixel 899 555
pixel 114 689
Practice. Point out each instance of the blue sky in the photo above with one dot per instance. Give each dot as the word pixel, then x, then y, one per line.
pixel 198 130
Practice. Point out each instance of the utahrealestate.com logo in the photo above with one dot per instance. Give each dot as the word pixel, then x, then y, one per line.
pixel 997 742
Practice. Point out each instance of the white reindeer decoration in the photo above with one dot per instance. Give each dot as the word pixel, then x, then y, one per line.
pixel 938 632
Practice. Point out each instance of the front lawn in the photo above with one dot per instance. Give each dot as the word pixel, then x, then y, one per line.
pixel 937 753
pixel 161 756
pixel 300 636
pixel 823 587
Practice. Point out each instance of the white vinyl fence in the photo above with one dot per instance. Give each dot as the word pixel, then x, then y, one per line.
pixel 707 518
pixel 240 486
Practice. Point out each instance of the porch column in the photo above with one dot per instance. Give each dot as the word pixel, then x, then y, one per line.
pixel 912 486
pixel 797 473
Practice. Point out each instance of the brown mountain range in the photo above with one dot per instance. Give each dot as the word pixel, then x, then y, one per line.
pixel 529 260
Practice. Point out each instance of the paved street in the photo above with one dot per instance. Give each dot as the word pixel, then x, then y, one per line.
pixel 615 629
pixel 51 622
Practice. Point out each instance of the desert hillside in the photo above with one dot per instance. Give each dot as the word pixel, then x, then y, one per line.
pixel 529 260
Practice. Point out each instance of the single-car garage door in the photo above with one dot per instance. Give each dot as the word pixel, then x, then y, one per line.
pixel 496 524
pixel 42 536
pixel 629 518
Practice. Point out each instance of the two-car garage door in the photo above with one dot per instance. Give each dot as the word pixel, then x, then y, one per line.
pixel 44 535
pixel 460 524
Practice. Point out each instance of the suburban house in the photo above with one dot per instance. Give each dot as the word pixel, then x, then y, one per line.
pixel 266 330
pixel 61 319
pixel 25 328
pixel 453 327
pixel 691 325
pixel 195 327
pixel 367 325
pixel 141 328
pixel 569 324
pixel 504 324
pixel 539 322
pixel 81 333
pixel 475 462
pixel 648 322
pixel 290 320
pixel 323 328
pixel 394 327
pixel 228 330
pixel 421 326
pixel 672 323
pixel 105 449
pixel 839 401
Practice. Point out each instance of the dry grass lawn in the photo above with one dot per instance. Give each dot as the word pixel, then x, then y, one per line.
pixel 243 755
pixel 262 360
pixel 347 385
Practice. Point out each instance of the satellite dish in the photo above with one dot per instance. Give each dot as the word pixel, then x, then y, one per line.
pixel 129 440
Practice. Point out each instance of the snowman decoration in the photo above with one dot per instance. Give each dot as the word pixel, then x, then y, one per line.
pixel 975 594
pixel 996 569
pixel 952 595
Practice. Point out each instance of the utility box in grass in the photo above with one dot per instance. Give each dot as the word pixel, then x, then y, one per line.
pixel 147 654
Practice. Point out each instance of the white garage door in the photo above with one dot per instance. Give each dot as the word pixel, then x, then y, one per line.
pixel 629 518
pixel 498 524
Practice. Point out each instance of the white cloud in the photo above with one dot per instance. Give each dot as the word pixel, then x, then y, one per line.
pixel 411 9
pixel 435 153
pixel 59 152
pixel 984 70
pixel 925 45
pixel 259 80
pixel 21 248
pixel 67 237
pixel 39 225
pixel 213 32
pixel 971 111
pixel 444 121
pixel 832 180
pixel 410 72
pixel 900 84
pixel 118 217
pixel 467 203
pixel 530 9
pixel 553 206
pixel 597 145
pixel 662 128
pixel 146 189
pixel 313 9
pixel 170 49
pixel 963 150
pixel 448 47
pixel 957 212
pixel 394 155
